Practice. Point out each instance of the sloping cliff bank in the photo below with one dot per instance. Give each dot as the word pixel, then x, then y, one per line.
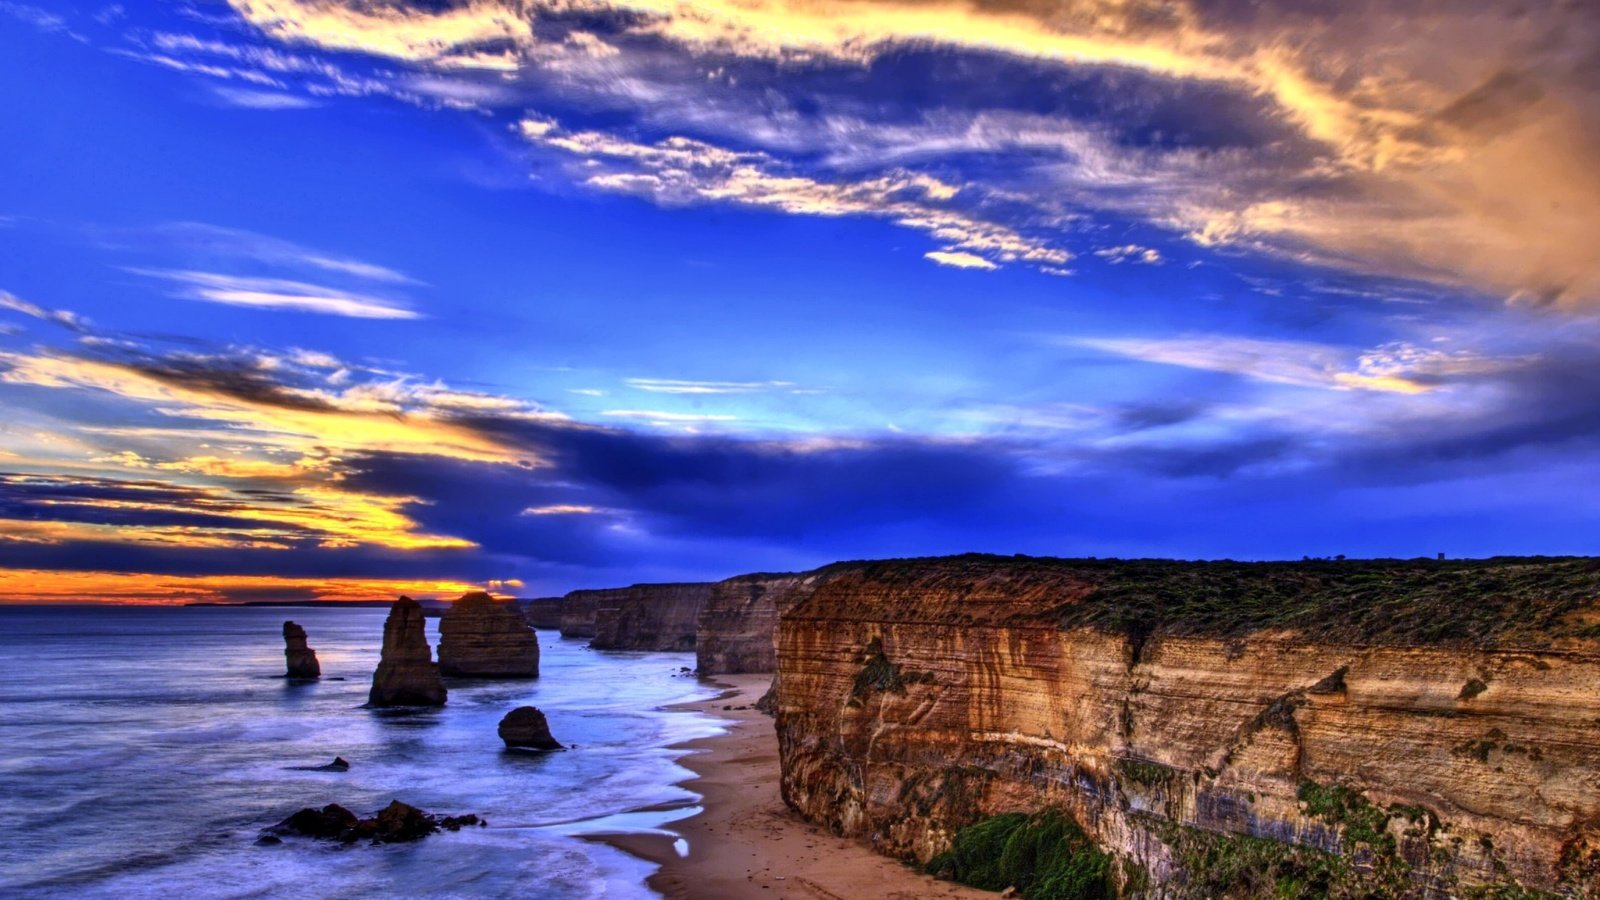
pixel 638 617
pixel 1312 729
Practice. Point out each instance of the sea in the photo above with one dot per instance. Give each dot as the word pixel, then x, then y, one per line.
pixel 143 749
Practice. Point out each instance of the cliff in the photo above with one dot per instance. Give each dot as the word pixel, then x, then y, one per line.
pixel 482 638
pixel 406 674
pixel 739 624
pixel 650 617
pixel 1350 729
pixel 300 660
pixel 578 610
pixel 543 613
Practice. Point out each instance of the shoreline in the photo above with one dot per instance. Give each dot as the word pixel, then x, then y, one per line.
pixel 744 842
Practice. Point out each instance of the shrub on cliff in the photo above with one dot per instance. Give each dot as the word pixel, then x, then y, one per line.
pixel 1045 856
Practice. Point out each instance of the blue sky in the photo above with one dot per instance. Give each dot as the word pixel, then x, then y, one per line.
pixel 307 298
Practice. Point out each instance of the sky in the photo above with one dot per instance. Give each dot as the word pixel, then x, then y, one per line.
pixel 350 298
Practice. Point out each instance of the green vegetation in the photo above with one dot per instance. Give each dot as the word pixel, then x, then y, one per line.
pixel 1144 772
pixel 1045 856
pixel 1229 865
pixel 1504 601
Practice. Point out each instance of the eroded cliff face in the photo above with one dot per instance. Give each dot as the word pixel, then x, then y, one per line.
pixel 578 610
pixel 915 698
pixel 738 627
pixel 543 613
pixel 649 617
pixel 480 637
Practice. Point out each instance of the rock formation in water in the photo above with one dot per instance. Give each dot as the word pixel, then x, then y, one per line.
pixel 651 617
pixel 738 627
pixel 396 823
pixel 302 660
pixel 640 617
pixel 543 613
pixel 1379 728
pixel 480 637
pixel 526 727
pixel 407 675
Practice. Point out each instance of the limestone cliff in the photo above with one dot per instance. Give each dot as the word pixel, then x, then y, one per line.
pixel 543 613
pixel 650 617
pixel 1364 728
pixel 739 624
pixel 300 659
pixel 578 610
pixel 406 675
pixel 482 638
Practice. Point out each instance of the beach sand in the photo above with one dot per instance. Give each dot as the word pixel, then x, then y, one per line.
pixel 745 843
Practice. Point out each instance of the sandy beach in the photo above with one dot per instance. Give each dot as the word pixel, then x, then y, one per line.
pixel 746 843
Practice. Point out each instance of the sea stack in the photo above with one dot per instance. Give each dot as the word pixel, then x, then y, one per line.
pixel 407 675
pixel 525 727
pixel 302 660
pixel 482 638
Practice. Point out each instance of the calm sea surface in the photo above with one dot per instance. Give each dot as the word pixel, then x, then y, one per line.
pixel 144 749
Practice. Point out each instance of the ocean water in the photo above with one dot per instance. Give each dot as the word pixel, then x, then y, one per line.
pixel 145 748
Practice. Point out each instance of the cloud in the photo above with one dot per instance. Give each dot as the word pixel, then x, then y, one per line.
pixel 680 171
pixel 65 318
pixel 27 585
pixel 266 100
pixel 680 386
pixel 280 294
pixel 959 259
pixel 1455 146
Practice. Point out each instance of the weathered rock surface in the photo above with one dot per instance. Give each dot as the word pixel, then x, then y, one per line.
pixel 639 617
pixel 1398 729
pixel 738 626
pixel 396 823
pixel 650 617
pixel 480 637
pixel 543 613
pixel 526 727
pixel 302 660
pixel 406 675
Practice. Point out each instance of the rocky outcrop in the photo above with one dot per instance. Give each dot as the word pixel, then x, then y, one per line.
pixel 302 660
pixel 640 617
pixel 543 613
pixel 480 637
pixel 396 823
pixel 406 675
pixel 525 727
pixel 1328 728
pixel 738 626
pixel 651 617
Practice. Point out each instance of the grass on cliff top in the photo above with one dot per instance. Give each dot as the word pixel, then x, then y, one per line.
pixel 1045 856
pixel 1510 601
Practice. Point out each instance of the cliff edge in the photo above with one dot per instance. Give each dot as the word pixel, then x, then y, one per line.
pixel 1360 728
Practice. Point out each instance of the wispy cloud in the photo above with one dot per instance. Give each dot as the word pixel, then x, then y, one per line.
pixel 65 318
pixel 960 259
pixel 245 98
pixel 279 293
pixel 678 386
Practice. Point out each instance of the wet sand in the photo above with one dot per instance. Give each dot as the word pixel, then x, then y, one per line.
pixel 745 843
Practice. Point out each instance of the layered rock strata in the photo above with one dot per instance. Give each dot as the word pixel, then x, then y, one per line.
pixel 407 674
pixel 543 613
pixel 480 637
pixel 1380 728
pixel 738 627
pixel 650 617
pixel 578 610
pixel 301 660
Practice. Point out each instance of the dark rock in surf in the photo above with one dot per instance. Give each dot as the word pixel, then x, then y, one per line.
pixel 525 728
pixel 396 823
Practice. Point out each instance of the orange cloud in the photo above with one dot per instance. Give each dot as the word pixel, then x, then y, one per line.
pixel 39 586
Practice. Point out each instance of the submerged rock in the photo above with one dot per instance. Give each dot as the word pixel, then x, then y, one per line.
pixel 406 675
pixel 525 727
pixel 302 660
pixel 482 638
pixel 396 823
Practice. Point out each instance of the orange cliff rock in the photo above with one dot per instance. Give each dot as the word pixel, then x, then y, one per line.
pixel 639 617
pixel 738 627
pixel 406 674
pixel 1404 728
pixel 480 637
